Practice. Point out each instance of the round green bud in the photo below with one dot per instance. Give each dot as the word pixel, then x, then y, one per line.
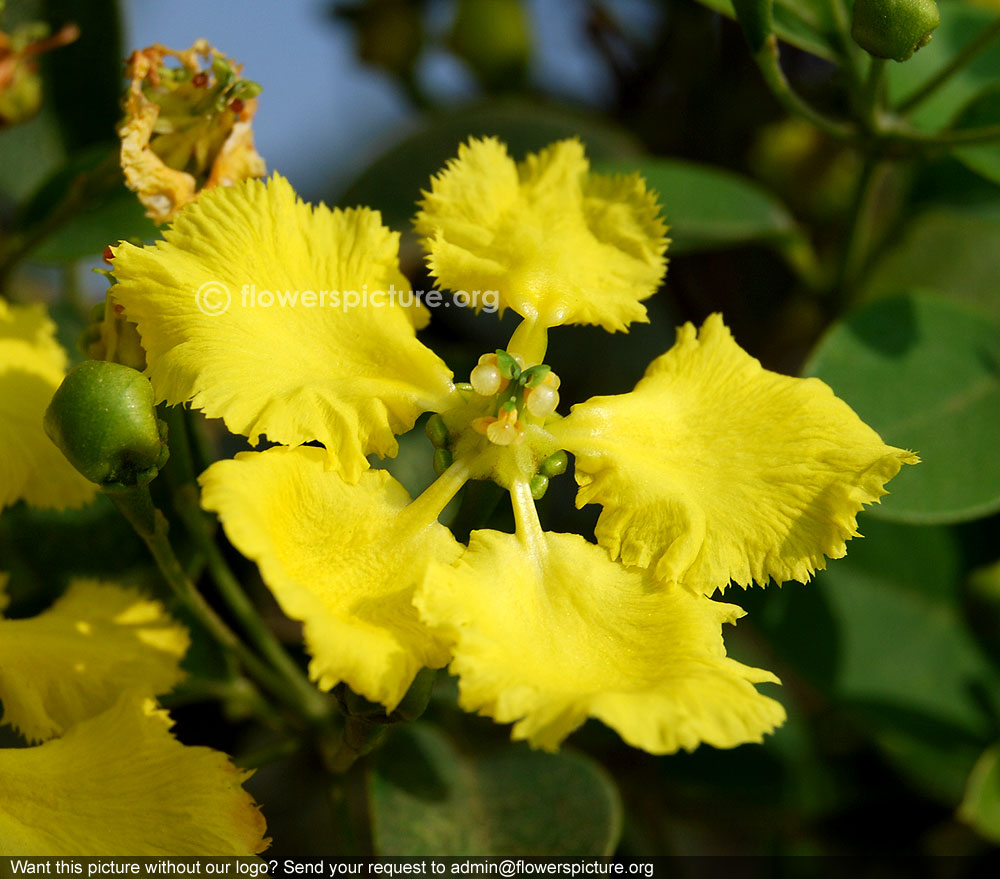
pixel 539 484
pixel 894 28
pixel 555 465
pixel 437 431
pixel 104 420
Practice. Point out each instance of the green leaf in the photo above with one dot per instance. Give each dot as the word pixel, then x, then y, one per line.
pixel 805 24
pixel 984 109
pixel 924 373
pixel 107 220
pixel 708 207
pixel 902 640
pixel 428 798
pixel 968 236
pixel 908 668
pixel 393 183
pixel 82 208
pixel 755 19
pixel 960 23
pixel 981 805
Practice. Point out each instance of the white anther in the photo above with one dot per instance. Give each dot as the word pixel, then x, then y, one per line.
pixel 486 379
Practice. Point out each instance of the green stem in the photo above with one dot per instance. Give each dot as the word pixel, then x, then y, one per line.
pixel 965 55
pixel 137 506
pixel 768 60
pixel 237 691
pixel 186 502
pixel 871 97
pixel 858 237
pixel 953 138
pixel 82 191
pixel 312 703
pixel 850 50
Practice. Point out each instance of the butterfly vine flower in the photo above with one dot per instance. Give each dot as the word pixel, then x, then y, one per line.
pixel 712 470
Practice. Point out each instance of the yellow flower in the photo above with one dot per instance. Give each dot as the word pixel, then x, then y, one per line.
pixel 549 631
pixel 343 558
pixel 349 377
pixel 711 469
pixel 120 784
pixel 560 244
pixel 109 778
pixel 186 128
pixel 715 469
pixel 72 661
pixel 32 366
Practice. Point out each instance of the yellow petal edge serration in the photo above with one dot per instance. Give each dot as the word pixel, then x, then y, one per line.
pixel 559 244
pixel 716 469
pixel 547 633
pixel 121 784
pixel 295 367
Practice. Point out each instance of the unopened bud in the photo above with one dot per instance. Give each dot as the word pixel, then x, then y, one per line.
pixel 104 420
pixel 894 28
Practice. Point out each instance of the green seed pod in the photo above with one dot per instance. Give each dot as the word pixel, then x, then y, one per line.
pixel 555 465
pixel 103 419
pixel 539 484
pixel 442 460
pixel 894 28
pixel 437 431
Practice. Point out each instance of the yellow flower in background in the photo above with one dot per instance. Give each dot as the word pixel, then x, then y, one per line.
pixel 32 365
pixel 712 468
pixel 186 127
pixel 73 660
pixel 119 783
pixel 109 778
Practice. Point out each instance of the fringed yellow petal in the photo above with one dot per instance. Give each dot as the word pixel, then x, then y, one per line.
pixel 121 784
pixel 715 469
pixel 73 660
pixel 549 633
pixel 32 366
pixel 342 558
pixel 559 244
pixel 335 363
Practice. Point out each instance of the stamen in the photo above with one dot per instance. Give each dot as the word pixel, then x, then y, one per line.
pixel 485 378
pixel 542 401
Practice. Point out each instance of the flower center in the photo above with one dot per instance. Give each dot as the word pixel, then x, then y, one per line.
pixel 517 394
pixel 500 428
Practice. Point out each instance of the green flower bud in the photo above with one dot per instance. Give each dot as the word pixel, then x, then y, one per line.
pixel 539 484
pixel 894 28
pixel 555 464
pixel 437 431
pixel 103 419
pixel 442 460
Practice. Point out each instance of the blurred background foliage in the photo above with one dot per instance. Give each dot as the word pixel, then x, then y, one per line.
pixel 881 277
